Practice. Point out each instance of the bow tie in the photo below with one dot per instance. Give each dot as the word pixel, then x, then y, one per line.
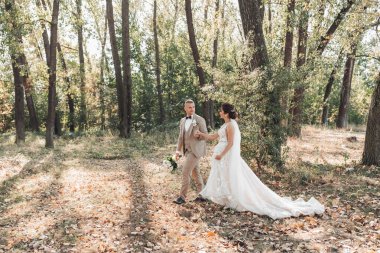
pixel 189 117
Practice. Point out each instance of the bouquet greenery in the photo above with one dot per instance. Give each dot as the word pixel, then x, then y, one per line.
pixel 170 162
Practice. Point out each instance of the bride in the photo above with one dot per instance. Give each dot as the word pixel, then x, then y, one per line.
pixel 232 183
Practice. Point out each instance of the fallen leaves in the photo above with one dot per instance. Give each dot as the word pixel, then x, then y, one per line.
pixel 125 206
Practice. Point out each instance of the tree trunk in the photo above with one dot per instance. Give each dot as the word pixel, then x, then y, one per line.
pixel 324 119
pixel 69 95
pixel 371 154
pixel 33 119
pixel 118 75
pixel 297 101
pixel 17 64
pixel 158 69
pixel 252 20
pixel 19 99
pixel 289 35
pixel 52 76
pixel 205 15
pixel 250 11
pixel 82 73
pixel 45 37
pixel 215 57
pixel 288 55
pixel 101 85
pixel 334 26
pixel 195 51
pixel 102 82
pixel 174 20
pixel 127 75
pixel 345 93
pixel 270 17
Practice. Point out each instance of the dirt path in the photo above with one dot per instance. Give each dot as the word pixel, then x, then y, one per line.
pixel 103 195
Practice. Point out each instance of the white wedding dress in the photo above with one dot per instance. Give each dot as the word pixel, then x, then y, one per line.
pixel 233 184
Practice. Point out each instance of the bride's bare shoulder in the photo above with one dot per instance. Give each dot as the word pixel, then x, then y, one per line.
pixel 230 125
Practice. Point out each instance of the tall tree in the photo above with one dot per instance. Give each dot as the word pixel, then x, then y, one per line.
pixel 27 82
pixel 371 154
pixel 52 76
pixel 328 90
pixel 295 129
pixel 289 34
pixel 127 75
pixel 157 68
pixel 69 94
pixel 288 53
pixel 123 126
pixel 82 73
pixel 45 37
pixel 194 48
pixel 297 100
pixel 251 12
pixel 17 50
pixel 214 63
pixel 102 81
pixel 334 26
pixel 15 47
pixel 175 18
pixel 345 93
pixel 102 34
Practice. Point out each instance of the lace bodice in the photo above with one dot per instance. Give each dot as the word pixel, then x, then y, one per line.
pixel 222 133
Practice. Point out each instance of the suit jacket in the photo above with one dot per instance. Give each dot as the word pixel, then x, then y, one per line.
pixel 187 140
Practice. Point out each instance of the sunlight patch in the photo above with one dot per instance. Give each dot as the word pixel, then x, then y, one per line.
pixel 12 166
pixel 33 227
pixel 32 185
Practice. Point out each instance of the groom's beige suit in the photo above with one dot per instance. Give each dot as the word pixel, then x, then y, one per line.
pixel 193 149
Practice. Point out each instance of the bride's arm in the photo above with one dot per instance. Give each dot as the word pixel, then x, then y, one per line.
pixel 208 137
pixel 230 141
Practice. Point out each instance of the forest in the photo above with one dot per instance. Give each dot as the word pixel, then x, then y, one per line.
pixel 92 92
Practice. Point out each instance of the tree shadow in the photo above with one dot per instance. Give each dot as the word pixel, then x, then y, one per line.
pixel 138 226
pixel 29 169
pixel 40 204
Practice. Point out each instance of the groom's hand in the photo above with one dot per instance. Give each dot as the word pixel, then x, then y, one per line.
pixel 197 134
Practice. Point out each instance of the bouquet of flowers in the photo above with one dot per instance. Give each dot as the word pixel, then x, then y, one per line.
pixel 170 162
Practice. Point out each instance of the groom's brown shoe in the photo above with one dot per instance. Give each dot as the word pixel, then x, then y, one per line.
pixel 179 201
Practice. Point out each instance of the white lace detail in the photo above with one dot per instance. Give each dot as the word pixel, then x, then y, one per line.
pixel 233 184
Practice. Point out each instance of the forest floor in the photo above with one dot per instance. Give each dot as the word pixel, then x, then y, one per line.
pixel 105 194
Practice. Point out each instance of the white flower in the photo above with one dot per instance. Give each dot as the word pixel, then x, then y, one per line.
pixel 194 122
pixel 166 164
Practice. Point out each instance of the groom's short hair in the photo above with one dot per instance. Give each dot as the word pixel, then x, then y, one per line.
pixel 189 101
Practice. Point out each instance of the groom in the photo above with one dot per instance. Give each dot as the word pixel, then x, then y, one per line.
pixel 193 149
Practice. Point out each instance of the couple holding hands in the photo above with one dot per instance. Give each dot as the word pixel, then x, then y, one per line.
pixel 231 182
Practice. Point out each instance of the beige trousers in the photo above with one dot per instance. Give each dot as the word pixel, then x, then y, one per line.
pixel 191 168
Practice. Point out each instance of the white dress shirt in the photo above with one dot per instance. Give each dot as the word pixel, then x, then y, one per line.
pixel 188 123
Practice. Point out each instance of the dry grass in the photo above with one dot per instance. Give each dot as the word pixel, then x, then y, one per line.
pixel 327 146
pixel 104 194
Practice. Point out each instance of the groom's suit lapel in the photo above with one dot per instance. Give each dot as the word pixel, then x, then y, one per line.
pixel 191 126
pixel 183 130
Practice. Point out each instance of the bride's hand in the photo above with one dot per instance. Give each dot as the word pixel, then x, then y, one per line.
pixel 218 157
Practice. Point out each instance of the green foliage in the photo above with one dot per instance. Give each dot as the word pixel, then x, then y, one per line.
pixel 253 96
pixel 178 74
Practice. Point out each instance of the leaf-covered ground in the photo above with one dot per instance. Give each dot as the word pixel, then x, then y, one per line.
pixel 104 194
